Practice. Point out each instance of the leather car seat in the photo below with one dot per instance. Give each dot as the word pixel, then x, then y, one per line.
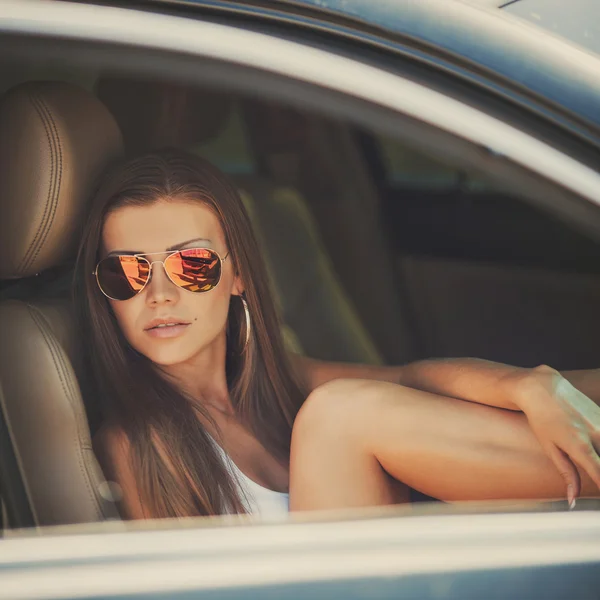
pixel 319 319
pixel 320 156
pixel 312 302
pixel 55 140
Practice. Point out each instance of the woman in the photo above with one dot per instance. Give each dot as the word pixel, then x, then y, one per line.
pixel 206 412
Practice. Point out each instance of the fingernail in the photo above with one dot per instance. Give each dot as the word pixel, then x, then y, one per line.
pixel 571 497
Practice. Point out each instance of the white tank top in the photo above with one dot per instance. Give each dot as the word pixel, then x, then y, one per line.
pixel 258 500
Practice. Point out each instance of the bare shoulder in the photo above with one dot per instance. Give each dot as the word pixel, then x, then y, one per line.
pixel 111 442
pixel 112 448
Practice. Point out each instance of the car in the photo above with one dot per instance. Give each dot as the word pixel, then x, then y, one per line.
pixel 424 181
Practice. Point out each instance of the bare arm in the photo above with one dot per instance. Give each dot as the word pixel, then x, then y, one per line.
pixel 480 381
pixel 472 379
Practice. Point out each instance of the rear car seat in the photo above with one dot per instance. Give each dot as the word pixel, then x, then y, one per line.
pixel 55 139
pixel 321 320
pixel 312 300
pixel 320 157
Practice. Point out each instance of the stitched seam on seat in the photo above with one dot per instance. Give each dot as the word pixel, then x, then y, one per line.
pixel 14 445
pixel 26 262
pixel 54 187
pixel 61 369
pixel 57 180
pixel 67 385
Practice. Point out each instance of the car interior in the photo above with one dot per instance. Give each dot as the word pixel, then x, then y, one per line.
pixel 377 252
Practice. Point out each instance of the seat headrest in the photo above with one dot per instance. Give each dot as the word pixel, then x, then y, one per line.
pixel 155 114
pixel 55 140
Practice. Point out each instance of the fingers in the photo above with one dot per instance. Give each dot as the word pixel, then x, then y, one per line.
pixel 587 458
pixel 568 471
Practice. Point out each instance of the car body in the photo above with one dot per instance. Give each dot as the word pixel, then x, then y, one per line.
pixel 427 556
pixel 467 77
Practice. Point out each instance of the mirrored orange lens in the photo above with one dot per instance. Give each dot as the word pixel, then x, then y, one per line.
pixel 122 277
pixel 195 270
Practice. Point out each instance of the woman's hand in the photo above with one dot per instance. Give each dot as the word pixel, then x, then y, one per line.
pixel 565 421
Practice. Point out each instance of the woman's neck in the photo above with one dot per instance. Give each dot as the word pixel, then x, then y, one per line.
pixel 203 376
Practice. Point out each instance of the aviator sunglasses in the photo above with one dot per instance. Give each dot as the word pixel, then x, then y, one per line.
pixel 122 276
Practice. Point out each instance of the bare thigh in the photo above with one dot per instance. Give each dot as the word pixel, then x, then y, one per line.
pixel 361 443
pixel 331 468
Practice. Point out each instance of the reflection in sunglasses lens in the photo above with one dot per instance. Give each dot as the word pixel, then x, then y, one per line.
pixel 195 270
pixel 122 277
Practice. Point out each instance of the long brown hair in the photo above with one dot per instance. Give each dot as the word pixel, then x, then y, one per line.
pixel 177 468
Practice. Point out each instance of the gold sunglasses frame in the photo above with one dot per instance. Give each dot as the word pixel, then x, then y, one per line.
pixel 162 262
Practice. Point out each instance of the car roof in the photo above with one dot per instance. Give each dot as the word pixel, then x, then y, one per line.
pixel 466 36
pixel 491 3
pixel 363 8
pixel 575 20
pixel 470 39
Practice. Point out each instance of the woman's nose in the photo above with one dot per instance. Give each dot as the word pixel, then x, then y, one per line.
pixel 160 288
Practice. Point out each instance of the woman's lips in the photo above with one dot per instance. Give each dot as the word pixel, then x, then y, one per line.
pixel 167 331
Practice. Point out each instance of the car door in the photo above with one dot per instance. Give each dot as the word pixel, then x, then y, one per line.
pixel 345 86
pixel 380 100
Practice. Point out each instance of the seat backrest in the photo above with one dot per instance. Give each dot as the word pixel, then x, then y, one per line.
pixel 312 301
pixel 55 140
pixel 320 157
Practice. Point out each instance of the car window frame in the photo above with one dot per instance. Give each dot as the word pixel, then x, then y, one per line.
pixel 248 61
pixel 305 64
pixel 202 559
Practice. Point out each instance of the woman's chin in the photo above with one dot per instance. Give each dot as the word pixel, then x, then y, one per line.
pixel 169 352
pixel 167 357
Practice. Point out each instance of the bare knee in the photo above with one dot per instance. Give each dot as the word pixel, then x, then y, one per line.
pixel 331 464
pixel 331 408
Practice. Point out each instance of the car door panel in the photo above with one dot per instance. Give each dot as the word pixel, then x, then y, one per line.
pixel 518 315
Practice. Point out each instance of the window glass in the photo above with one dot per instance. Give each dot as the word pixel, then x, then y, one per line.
pixel 14 75
pixel 230 150
pixel 407 167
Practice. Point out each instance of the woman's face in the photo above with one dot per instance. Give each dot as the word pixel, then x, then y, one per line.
pixel 202 317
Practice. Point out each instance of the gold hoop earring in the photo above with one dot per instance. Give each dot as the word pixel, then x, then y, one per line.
pixel 248 322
